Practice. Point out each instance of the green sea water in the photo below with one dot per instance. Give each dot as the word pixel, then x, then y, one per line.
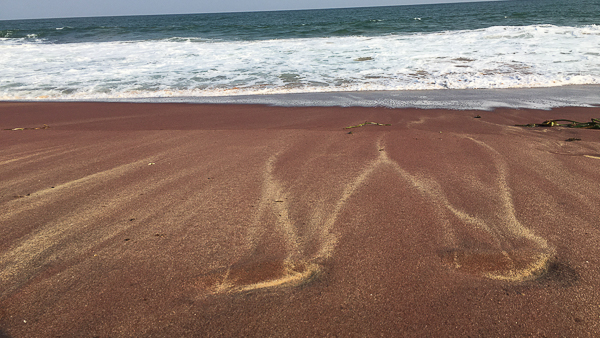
pixel 368 21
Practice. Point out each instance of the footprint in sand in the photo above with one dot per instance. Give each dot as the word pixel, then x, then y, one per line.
pixel 520 254
pixel 507 250
pixel 301 263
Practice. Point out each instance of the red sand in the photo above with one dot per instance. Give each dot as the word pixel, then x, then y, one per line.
pixel 175 220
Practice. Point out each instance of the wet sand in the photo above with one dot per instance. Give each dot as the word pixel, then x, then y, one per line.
pixel 166 220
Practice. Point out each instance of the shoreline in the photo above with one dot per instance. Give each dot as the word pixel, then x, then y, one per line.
pixel 179 219
pixel 455 99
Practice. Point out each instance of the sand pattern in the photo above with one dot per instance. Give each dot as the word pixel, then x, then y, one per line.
pixel 515 253
pixel 299 266
pixel 173 223
pixel 509 250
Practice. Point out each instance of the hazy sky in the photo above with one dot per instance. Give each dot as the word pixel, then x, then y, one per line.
pixel 34 9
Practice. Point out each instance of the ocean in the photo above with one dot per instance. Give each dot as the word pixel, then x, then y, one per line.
pixel 413 49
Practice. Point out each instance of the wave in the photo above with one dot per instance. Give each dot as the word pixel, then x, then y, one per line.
pixel 495 57
pixel 121 34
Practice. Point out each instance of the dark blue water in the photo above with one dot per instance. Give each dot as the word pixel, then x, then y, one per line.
pixel 372 21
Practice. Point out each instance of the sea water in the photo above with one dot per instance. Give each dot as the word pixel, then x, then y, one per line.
pixel 426 48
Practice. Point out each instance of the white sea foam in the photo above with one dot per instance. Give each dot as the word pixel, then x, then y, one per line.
pixel 496 57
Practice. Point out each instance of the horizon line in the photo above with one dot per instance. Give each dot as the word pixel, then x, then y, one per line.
pixel 250 11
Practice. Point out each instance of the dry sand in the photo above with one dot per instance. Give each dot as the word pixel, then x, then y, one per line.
pixel 171 220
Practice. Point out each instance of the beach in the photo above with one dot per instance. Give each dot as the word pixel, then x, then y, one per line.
pixel 352 172
pixel 167 220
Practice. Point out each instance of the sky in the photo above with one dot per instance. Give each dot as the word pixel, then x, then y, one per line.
pixel 37 9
